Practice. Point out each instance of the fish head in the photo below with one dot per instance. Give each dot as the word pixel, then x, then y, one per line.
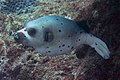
pixel 30 35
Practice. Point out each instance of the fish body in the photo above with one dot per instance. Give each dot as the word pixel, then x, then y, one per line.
pixel 55 35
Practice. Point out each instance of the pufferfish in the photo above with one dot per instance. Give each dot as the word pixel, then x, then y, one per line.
pixel 55 35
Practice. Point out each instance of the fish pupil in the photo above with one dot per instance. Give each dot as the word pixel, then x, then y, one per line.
pixel 32 32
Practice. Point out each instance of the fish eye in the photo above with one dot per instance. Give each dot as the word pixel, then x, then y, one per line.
pixel 32 32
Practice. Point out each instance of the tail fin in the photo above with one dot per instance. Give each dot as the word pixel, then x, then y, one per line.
pixel 98 45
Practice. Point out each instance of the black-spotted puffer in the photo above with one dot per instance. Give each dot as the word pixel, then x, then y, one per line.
pixel 55 35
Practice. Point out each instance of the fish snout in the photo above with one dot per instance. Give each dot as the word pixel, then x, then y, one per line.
pixel 19 37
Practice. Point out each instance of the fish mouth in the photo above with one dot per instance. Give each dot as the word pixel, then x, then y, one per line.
pixel 19 37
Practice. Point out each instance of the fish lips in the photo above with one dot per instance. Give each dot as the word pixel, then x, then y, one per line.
pixel 19 37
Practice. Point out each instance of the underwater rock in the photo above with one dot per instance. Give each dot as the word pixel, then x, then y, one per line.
pixel 2 47
pixel 2 18
pixel 14 6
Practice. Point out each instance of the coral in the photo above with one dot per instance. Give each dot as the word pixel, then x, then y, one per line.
pixel 2 18
pixel 15 6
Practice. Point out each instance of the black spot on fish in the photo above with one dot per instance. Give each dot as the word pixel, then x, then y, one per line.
pixel 42 26
pixel 57 19
pixel 60 50
pixel 46 20
pixel 80 32
pixel 59 46
pixel 25 29
pixel 59 30
pixel 76 40
pixel 63 45
pixel 72 47
pixel 68 46
pixel 91 35
pixel 69 36
pixel 49 51
pixel 79 39
pixel 47 47
pixel 75 32
pixel 61 23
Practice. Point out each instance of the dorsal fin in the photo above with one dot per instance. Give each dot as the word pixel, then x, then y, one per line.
pixel 83 24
